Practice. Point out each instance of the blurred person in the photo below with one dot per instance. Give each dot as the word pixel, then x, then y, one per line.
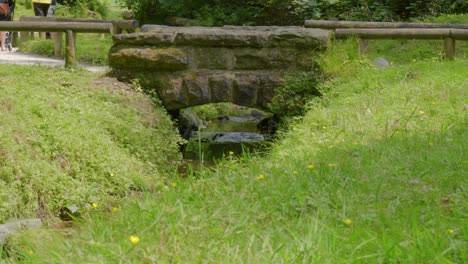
pixel 41 8
pixel 6 11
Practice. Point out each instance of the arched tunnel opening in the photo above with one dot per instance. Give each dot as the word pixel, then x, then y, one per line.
pixel 217 130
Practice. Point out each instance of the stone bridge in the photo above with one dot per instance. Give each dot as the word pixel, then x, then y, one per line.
pixel 190 66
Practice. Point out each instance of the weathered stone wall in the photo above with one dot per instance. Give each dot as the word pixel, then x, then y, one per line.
pixel 196 65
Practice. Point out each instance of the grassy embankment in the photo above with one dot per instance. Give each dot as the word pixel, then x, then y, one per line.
pixel 375 172
pixel 68 139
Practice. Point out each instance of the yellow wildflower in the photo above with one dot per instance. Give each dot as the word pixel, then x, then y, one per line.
pixel 451 231
pixel 95 205
pixel 331 165
pixel 115 210
pixel 261 177
pixel 173 184
pixel 295 172
pixel 311 166
pixel 421 112
pixel 134 239
pixel 347 221
pixel 231 153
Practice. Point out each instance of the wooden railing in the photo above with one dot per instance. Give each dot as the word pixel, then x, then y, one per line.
pixel 449 33
pixel 69 26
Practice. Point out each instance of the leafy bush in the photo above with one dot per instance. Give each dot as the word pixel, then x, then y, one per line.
pixel 292 97
pixel 81 8
pixel 289 12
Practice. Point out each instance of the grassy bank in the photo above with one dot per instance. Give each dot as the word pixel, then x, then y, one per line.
pixel 71 139
pixel 374 173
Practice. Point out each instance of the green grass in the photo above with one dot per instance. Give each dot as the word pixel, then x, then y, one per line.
pixel 375 172
pixel 70 139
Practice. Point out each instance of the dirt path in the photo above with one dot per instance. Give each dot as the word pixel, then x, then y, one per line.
pixel 13 57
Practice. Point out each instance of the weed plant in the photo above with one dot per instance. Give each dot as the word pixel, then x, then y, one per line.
pixel 375 172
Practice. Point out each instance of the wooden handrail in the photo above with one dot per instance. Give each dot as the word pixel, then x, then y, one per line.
pixel 333 24
pixel 449 35
pixel 83 27
pixel 119 25
pixel 403 33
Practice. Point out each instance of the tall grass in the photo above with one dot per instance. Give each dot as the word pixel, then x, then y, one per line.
pixel 375 172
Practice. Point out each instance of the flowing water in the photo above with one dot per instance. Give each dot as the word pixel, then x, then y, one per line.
pixel 224 135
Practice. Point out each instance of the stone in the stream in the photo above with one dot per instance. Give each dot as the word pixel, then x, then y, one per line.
pixel 16 227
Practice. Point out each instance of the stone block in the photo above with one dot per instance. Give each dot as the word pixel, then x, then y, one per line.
pixel 171 92
pixel 211 58
pixel 196 89
pixel 268 84
pixel 221 87
pixel 246 87
pixel 148 58
pixel 298 37
pixel 265 58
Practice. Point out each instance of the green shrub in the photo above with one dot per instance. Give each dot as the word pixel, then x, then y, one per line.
pixel 289 12
pixel 41 47
pixel 81 8
pixel 298 89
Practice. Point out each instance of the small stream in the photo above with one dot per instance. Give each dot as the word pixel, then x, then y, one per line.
pixel 242 129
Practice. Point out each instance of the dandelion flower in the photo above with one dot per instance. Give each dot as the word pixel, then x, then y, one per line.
pixel 450 231
pixel 112 175
pixel 311 166
pixel 231 153
pixel 115 210
pixel 347 221
pixel 173 184
pixel 295 172
pixel 421 112
pixel 261 177
pixel 95 205
pixel 134 239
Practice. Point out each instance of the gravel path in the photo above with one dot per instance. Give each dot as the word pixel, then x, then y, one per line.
pixel 13 57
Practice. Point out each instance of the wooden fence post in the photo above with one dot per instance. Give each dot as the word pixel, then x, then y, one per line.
pixel 363 44
pixel 449 48
pixel 70 51
pixel 57 37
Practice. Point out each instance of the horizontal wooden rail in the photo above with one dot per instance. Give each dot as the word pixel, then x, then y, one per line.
pixel 83 27
pixel 119 25
pixel 330 24
pixel 403 33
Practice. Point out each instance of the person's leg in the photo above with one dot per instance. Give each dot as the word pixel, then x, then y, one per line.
pixel 2 40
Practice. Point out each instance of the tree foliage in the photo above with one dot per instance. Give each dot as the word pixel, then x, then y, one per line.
pixel 289 12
